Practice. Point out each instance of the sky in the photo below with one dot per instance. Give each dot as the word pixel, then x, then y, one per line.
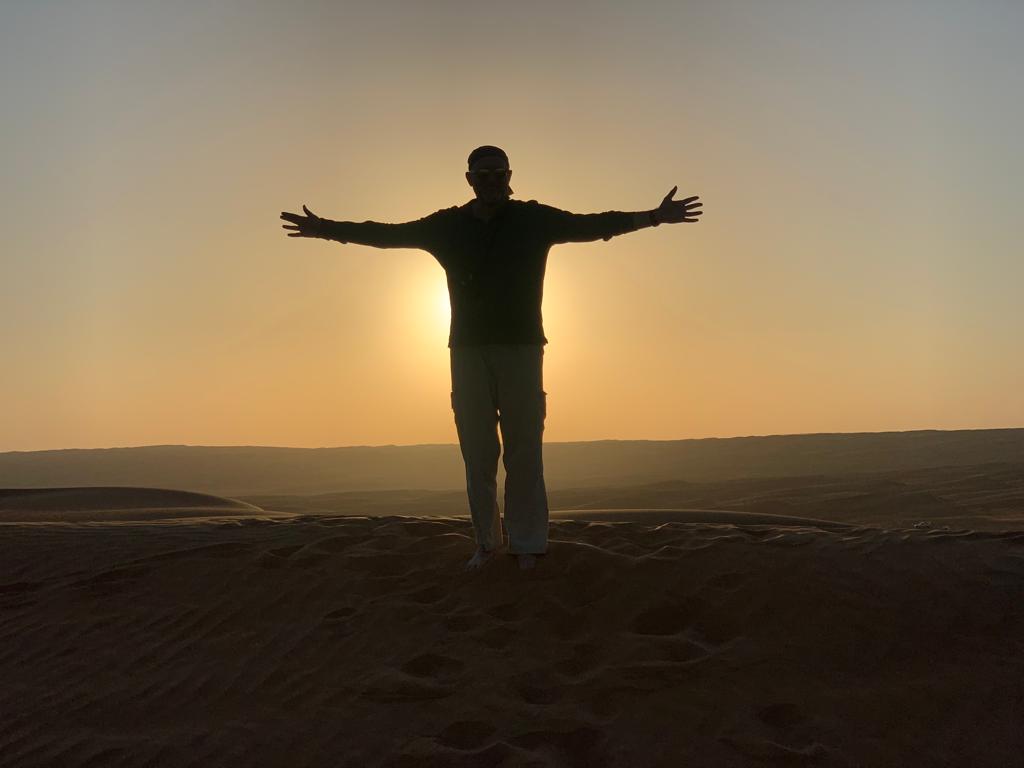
pixel 857 267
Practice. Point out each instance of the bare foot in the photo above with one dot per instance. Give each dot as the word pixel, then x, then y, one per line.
pixel 480 557
pixel 526 561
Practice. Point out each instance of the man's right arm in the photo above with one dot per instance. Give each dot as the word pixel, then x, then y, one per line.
pixel 421 233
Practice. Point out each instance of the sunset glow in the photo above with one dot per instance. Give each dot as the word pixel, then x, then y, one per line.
pixel 857 267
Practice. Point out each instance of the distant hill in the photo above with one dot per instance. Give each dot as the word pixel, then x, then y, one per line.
pixel 101 503
pixel 92 498
pixel 245 470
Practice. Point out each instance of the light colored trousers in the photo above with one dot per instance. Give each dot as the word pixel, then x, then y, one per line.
pixel 503 384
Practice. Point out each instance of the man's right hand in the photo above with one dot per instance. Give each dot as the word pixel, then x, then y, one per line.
pixel 309 225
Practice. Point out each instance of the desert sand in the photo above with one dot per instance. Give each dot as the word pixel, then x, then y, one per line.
pixel 162 628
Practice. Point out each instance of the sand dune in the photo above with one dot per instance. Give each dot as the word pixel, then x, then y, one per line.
pixel 93 504
pixel 245 470
pixel 979 497
pixel 360 641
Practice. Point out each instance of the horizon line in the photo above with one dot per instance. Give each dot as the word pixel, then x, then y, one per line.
pixel 546 443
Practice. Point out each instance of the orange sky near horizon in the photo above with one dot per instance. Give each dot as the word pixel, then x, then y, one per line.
pixel 856 268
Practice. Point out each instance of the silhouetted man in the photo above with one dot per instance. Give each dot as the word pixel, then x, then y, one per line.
pixel 494 251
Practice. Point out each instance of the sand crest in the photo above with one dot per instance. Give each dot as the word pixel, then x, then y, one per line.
pixel 109 503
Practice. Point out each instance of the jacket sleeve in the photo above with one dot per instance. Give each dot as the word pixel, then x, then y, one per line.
pixel 561 226
pixel 421 233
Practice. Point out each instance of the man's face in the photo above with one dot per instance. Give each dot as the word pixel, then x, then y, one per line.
pixel 488 180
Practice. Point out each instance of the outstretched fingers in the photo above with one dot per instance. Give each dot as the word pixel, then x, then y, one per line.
pixel 689 208
pixel 297 217
pixel 302 224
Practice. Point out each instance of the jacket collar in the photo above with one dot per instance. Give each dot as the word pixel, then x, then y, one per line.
pixel 467 209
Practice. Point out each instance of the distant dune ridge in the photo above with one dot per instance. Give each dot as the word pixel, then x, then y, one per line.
pixel 979 497
pixel 103 503
pixel 849 618
pixel 239 471
pixel 106 504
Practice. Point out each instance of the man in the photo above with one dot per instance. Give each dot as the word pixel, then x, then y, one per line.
pixel 494 252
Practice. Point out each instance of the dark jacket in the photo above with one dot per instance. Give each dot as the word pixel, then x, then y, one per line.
pixel 495 268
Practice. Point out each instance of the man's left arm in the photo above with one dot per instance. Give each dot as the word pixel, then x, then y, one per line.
pixel 565 227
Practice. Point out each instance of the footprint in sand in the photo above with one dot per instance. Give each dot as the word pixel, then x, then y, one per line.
pixel 462 622
pixel 537 687
pixel 699 620
pixel 428 595
pixel 466 734
pixel 582 746
pixel 394 685
pixel 687 650
pixel 729 581
pixel 340 614
pixel 505 612
pixel 784 715
pixel 583 660
pixel 432 665
pixel 423 677
pixel 495 637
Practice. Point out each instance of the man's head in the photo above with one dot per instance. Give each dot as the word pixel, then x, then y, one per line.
pixel 489 174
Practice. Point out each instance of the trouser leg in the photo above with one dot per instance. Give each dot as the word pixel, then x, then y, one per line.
pixel 476 418
pixel 522 404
